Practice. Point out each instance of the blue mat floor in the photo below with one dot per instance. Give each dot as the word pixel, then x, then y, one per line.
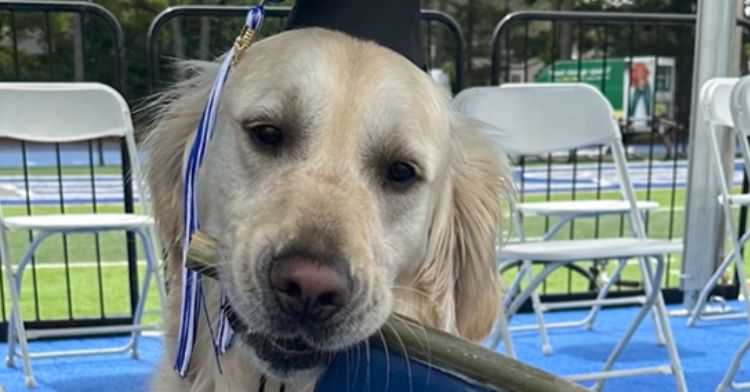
pixel 705 351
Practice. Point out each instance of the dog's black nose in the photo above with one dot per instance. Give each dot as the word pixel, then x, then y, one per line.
pixel 310 289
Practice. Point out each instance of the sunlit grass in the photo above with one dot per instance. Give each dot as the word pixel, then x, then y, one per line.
pixel 85 297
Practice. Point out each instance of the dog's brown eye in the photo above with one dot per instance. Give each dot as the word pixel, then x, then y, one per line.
pixel 401 172
pixel 267 135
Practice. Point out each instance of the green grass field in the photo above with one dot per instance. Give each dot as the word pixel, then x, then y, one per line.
pixel 86 289
pixel 56 287
pixel 666 222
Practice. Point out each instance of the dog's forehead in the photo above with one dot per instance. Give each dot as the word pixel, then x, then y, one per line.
pixel 324 64
pixel 325 73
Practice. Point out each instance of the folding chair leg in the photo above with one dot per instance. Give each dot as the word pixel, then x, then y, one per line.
pixel 728 380
pixel 736 257
pixel 138 316
pixel 661 324
pixel 660 311
pixel 537 306
pixel 154 265
pixel 695 313
pixel 740 265
pixel 10 360
pixel 591 317
pixel 502 332
pixel 514 288
pixel 512 303
pixel 148 248
pixel 651 297
pixel 16 317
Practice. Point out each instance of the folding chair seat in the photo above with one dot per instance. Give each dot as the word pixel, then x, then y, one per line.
pixel 61 113
pixel 536 119
pixel 566 212
pixel 726 103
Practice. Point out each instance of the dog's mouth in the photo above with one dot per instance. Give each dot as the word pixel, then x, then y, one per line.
pixel 281 355
pixel 286 355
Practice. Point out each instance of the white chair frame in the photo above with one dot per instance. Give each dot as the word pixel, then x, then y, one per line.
pixel 715 103
pixel 726 103
pixel 566 212
pixel 68 112
pixel 537 135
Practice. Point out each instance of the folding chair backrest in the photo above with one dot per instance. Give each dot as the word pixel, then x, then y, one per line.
pixel 68 112
pixel 740 110
pixel 536 119
pixel 740 105
pixel 62 112
pixel 715 101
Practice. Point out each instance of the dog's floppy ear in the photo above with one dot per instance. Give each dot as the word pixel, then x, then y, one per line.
pixel 173 117
pixel 460 272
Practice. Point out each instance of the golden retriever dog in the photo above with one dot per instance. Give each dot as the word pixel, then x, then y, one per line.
pixel 341 187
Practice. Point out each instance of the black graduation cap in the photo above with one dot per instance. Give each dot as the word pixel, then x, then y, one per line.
pixel 394 24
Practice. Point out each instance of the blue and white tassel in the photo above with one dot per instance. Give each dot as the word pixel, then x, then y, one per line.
pixel 192 292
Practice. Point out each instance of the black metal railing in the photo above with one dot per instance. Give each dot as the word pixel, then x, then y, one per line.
pixel 64 41
pixel 68 41
pixel 195 23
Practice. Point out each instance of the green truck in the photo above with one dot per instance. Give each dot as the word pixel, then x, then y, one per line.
pixel 629 88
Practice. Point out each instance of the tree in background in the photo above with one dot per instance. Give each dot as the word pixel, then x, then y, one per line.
pixel 478 19
pixel 206 38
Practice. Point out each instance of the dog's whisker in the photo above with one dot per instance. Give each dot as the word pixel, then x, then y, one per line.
pixel 387 360
pixel 413 309
pixel 420 293
pixel 424 341
pixel 369 363
pixel 405 352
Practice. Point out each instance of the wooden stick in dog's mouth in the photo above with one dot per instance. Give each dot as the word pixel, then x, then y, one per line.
pixel 477 365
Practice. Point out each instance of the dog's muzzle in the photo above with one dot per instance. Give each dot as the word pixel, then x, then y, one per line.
pixel 282 355
pixel 310 290
pixel 306 298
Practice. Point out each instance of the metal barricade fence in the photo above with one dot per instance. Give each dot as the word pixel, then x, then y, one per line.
pixel 643 64
pixel 210 29
pixel 84 280
pixel 54 40
pixel 79 282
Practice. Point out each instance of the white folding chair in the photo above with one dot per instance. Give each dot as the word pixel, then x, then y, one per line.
pixel 715 103
pixel 59 113
pixel 726 103
pixel 565 212
pixel 560 117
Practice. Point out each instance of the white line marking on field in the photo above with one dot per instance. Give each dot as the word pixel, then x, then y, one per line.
pixel 86 264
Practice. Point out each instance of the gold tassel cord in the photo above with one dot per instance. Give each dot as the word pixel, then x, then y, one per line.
pixel 241 43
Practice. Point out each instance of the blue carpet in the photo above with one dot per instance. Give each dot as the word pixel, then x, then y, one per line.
pixel 705 352
pixel 111 373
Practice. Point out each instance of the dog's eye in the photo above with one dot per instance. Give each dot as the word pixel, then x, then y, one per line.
pixel 401 172
pixel 267 135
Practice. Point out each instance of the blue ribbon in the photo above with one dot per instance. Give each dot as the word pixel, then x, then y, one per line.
pixel 192 291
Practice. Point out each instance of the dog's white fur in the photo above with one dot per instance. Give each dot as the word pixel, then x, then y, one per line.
pixel 427 252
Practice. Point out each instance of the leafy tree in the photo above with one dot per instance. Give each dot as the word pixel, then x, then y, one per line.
pixel 49 50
